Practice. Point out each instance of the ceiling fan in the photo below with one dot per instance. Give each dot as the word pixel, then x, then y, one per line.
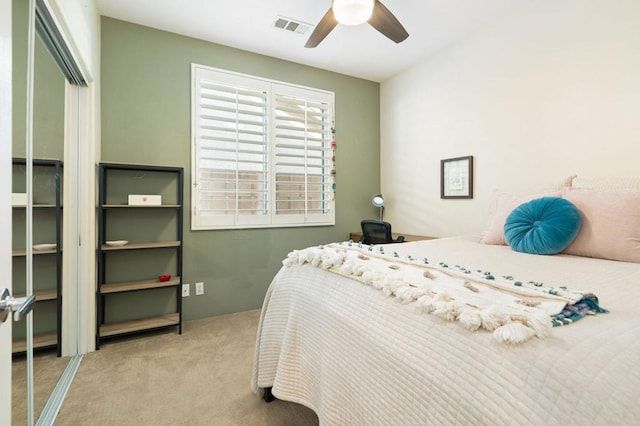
pixel 356 12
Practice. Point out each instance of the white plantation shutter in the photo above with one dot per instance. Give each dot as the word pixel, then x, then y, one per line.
pixel 260 154
pixel 302 149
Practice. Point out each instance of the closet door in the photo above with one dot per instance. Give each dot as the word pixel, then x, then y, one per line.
pixel 40 136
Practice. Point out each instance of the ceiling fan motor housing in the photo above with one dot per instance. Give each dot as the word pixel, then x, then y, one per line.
pixel 353 12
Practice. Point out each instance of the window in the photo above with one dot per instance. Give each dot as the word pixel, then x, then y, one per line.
pixel 261 152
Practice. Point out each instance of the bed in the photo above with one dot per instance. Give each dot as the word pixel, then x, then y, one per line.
pixel 358 354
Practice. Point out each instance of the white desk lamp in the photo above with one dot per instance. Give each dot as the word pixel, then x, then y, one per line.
pixel 378 201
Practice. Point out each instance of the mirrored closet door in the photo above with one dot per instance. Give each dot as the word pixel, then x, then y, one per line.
pixel 40 88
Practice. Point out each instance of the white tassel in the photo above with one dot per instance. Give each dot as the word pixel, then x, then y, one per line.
pixel 291 258
pixel 377 281
pixel 372 278
pixel 359 270
pixel 455 309
pixel 331 260
pixel 304 256
pixel 326 260
pixel 470 318
pixel 408 294
pixel 513 333
pixel 493 318
pixel 315 259
pixel 447 310
pixel 425 303
pixel 310 255
pixel 440 302
pixel 367 277
pixel 390 285
pixel 541 323
pixel 441 297
pixel 348 267
pixel 403 292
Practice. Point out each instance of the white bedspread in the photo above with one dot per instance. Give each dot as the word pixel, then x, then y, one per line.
pixel 357 357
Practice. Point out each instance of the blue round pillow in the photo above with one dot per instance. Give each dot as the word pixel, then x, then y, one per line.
pixel 545 225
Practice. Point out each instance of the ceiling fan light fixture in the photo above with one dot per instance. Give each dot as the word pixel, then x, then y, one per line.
pixel 353 12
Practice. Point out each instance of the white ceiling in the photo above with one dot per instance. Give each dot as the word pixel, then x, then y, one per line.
pixel 358 51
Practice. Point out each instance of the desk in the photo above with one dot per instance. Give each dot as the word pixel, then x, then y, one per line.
pixel 355 236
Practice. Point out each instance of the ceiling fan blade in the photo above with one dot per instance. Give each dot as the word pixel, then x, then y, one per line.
pixel 384 21
pixel 324 27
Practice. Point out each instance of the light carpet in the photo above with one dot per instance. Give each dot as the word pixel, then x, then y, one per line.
pixel 198 378
pixel 47 369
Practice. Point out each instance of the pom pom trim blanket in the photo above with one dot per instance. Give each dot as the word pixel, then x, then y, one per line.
pixel 514 310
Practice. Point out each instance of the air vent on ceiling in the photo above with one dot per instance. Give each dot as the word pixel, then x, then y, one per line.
pixel 292 25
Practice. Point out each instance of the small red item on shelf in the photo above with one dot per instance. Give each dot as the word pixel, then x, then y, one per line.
pixel 163 278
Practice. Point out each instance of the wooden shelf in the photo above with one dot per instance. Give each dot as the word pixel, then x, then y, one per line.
pixel 127 206
pixel 114 329
pixel 39 342
pixel 42 295
pixel 135 246
pixel 23 252
pixel 137 285
pixel 355 236
pixel 37 206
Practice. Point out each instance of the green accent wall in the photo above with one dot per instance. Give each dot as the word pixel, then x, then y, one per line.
pixel 146 107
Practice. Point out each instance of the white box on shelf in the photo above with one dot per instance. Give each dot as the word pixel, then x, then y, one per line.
pixel 145 200
pixel 18 199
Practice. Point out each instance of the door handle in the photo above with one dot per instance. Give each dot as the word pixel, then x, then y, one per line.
pixel 20 306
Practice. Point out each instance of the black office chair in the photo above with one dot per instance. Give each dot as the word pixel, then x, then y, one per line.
pixel 378 232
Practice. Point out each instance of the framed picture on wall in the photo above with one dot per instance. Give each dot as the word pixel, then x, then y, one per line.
pixel 456 177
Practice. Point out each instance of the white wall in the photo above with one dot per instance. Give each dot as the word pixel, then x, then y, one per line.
pixel 549 91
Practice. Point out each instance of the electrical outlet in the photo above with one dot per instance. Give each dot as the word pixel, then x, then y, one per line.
pixel 199 289
pixel 185 290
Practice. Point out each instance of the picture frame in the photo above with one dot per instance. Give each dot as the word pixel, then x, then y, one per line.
pixel 456 177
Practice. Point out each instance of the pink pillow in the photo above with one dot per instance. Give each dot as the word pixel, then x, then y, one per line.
pixel 605 184
pixel 504 204
pixel 610 224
